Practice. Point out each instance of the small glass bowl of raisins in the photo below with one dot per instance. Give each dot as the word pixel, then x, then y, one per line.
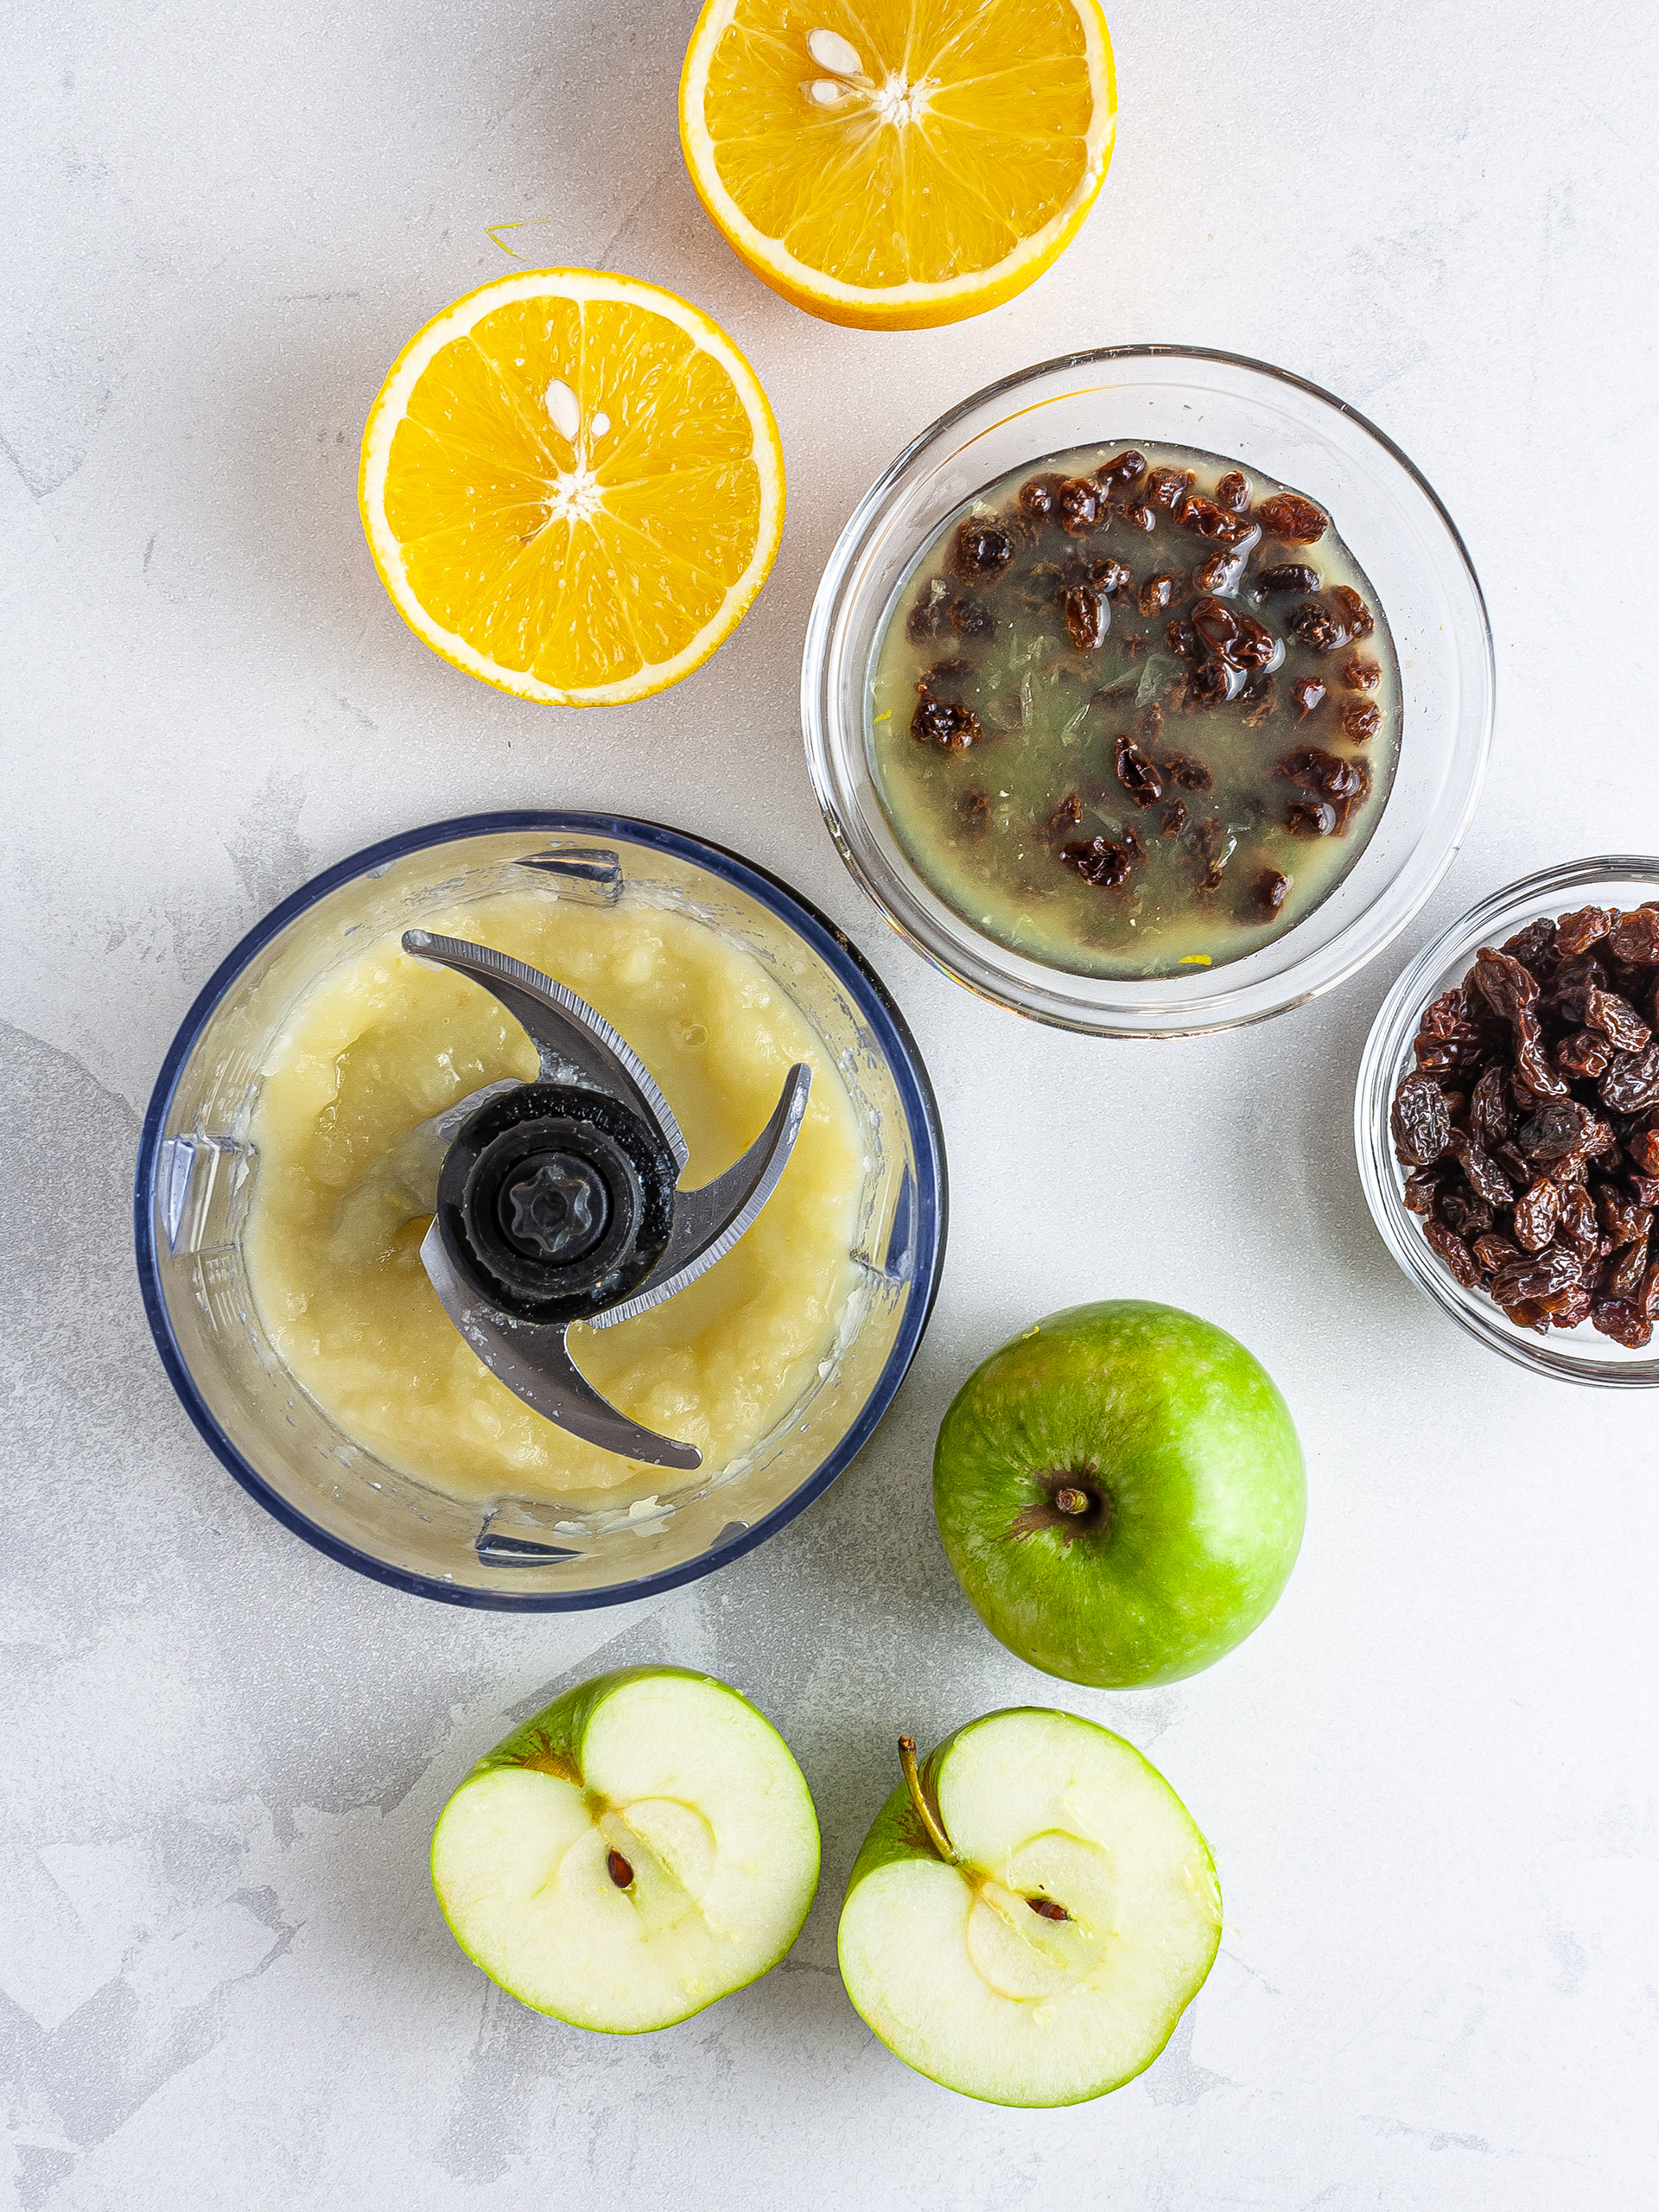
pixel 1506 1120
pixel 1261 422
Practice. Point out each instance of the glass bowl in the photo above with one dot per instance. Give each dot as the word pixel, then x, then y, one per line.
pixel 197 1172
pixel 1397 530
pixel 1578 1355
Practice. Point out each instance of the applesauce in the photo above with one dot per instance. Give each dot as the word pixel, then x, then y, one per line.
pixel 383 1042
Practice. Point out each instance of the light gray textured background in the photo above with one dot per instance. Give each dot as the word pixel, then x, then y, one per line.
pixel 1429 1779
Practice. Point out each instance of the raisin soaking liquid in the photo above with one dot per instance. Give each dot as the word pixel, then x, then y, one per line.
pixel 1134 713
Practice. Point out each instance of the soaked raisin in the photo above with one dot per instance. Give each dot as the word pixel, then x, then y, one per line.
pixel 1087 618
pixel 1136 848
pixel 983 549
pixel 1040 498
pixel 1182 640
pixel 1140 778
pixel 1536 1212
pixel 1138 516
pixel 1233 493
pixel 1259 700
pixel 1322 771
pixel 1173 819
pixel 1125 468
pixel 1159 592
pixel 1191 775
pixel 1271 889
pixel 1283 576
pixel 1212 682
pixel 1353 610
pixel 1359 721
pixel 1306 691
pixel 1361 675
pixel 1066 816
pixel 1451 1249
pixel 1109 577
pixel 1634 938
pixel 969 618
pixel 1216 573
pixel 1288 515
pixel 1082 506
pixel 1311 817
pixel 1206 520
pixel 945 722
pixel 1165 486
pixel 1098 861
pixel 1312 625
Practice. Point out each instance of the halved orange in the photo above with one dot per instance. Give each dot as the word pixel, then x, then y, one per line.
pixel 898 163
pixel 572 485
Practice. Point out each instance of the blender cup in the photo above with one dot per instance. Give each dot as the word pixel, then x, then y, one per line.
pixel 198 1170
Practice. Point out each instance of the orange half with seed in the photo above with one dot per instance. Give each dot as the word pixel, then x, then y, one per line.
pixel 573 486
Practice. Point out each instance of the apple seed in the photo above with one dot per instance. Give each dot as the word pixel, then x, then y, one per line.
pixel 619 1869
pixel 1048 1907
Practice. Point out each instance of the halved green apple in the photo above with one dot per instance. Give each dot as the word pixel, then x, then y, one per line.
pixel 644 1844
pixel 1032 1912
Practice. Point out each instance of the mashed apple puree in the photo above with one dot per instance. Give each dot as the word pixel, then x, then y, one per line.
pixel 386 1041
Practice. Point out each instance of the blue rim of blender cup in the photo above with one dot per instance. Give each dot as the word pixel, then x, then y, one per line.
pixel 838 954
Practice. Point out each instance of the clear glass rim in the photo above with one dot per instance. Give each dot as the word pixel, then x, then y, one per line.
pixel 1390 1033
pixel 850 968
pixel 978 962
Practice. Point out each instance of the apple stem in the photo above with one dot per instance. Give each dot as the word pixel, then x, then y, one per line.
pixel 1072 1501
pixel 925 1813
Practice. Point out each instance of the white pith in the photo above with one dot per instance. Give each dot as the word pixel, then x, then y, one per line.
pixel 957 1974
pixel 701 1796
pixel 580 497
pixel 896 101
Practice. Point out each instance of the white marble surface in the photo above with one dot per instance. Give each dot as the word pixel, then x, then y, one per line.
pixel 1430 1778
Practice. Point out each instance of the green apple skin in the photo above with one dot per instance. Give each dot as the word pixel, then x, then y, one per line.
pixel 1190 1462
pixel 1160 1946
pixel 724 1896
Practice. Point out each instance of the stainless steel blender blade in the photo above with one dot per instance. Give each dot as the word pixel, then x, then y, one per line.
pixel 558 1201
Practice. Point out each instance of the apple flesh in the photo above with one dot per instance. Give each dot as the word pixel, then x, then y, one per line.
pixel 1032 1912
pixel 644 1844
pixel 1121 1493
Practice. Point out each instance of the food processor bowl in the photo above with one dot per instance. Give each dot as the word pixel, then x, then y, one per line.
pixel 198 1170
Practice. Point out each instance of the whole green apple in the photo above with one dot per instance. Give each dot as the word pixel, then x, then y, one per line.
pixel 641 1847
pixel 1121 1493
pixel 1030 1913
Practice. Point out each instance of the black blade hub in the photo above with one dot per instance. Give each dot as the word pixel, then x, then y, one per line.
pixel 555 1202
